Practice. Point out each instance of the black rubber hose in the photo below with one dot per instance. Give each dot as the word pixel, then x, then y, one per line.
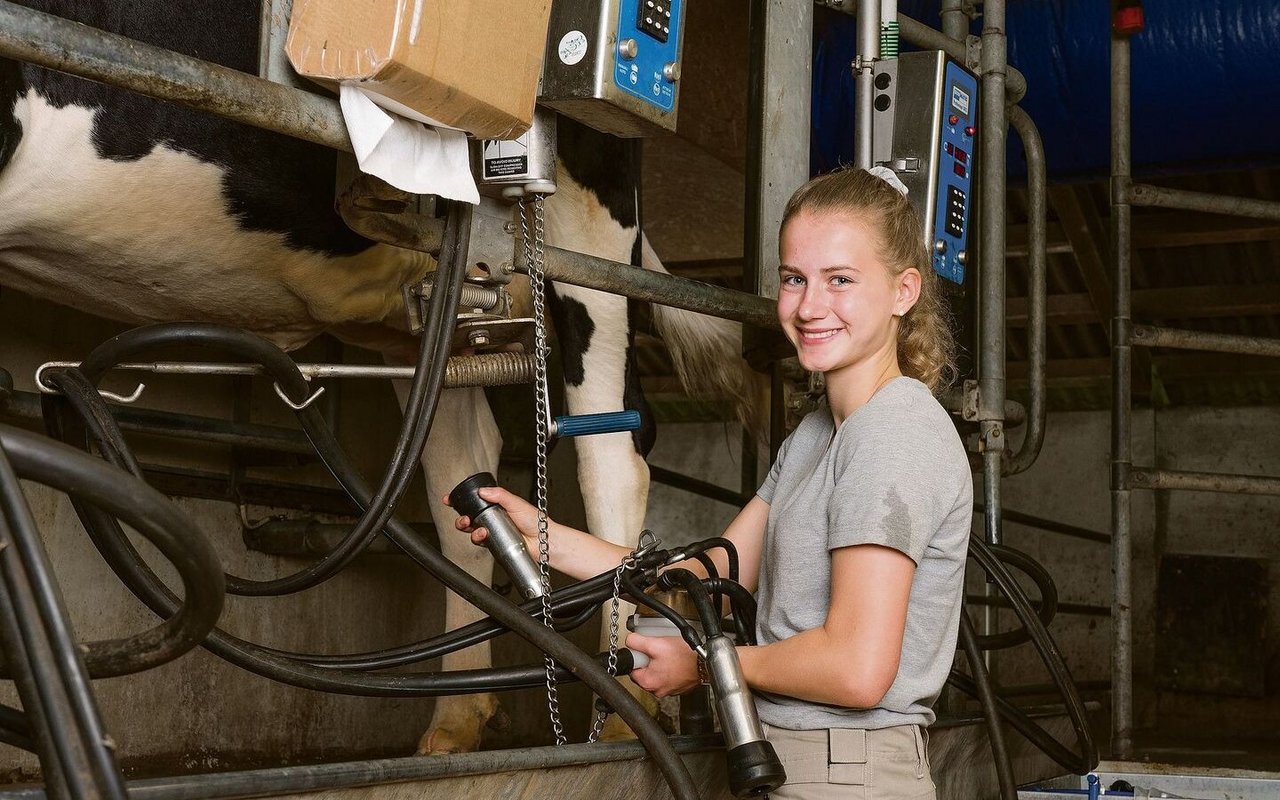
pixel 1087 758
pixel 995 733
pixel 144 583
pixel 708 611
pixel 420 410
pixel 743 605
pixel 153 516
pixel 731 552
pixel 35 610
pixel 636 592
pixel 1048 605
pixel 15 729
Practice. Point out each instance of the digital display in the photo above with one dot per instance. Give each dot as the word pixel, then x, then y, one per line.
pixel 959 99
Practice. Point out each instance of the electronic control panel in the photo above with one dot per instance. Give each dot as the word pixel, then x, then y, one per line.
pixel 615 65
pixel 925 129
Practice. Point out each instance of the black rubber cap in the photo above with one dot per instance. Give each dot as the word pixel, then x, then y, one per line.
pixel 754 769
pixel 465 497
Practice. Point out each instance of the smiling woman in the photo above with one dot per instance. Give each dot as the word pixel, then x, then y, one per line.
pixel 866 512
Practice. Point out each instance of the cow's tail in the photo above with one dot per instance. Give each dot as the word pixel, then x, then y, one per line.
pixel 707 354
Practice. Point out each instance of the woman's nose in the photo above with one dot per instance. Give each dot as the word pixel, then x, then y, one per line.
pixel 813 304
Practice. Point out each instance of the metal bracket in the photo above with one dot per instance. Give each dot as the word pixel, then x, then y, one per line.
pixel 297 406
pixel 970 401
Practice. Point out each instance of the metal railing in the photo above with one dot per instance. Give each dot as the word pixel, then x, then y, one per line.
pixel 1125 335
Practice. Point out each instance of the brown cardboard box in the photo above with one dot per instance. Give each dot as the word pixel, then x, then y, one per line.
pixel 469 64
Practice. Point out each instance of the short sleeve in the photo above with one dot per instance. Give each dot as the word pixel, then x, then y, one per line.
pixel 894 486
pixel 770 485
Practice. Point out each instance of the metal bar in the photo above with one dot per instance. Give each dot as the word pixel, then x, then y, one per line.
pixel 778 106
pixel 1050 526
pixel 918 33
pixel 977 718
pixel 26 405
pixel 1141 194
pixel 955 22
pixel 1037 212
pixel 991 276
pixel 181 482
pixel 489 369
pixel 321 777
pixel 59 44
pixel 637 283
pixel 864 90
pixel 1153 336
pixel 1203 481
pixel 1080 609
pixel 1122 402
pixel 699 487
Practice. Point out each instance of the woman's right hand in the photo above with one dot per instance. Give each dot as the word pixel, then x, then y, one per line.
pixel 522 513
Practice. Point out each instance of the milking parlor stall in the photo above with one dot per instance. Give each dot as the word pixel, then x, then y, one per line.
pixel 277 277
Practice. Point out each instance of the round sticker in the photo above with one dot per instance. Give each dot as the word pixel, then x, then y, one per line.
pixel 573 47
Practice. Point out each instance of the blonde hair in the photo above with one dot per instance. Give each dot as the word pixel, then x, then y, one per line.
pixel 926 347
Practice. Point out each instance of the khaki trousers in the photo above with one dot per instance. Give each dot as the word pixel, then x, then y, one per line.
pixel 853 764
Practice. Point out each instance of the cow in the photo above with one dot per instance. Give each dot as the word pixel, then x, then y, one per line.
pixel 142 211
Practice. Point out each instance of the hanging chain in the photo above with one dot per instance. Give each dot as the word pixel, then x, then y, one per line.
pixel 647 542
pixel 533 257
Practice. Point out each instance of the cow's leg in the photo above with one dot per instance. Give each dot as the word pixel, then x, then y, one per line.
pixel 464 440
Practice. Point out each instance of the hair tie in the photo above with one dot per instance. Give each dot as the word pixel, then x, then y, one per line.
pixel 890 177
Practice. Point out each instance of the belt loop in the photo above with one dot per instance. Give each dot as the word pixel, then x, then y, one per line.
pixel 920 765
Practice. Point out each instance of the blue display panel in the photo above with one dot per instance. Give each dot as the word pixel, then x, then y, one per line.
pixel 654 26
pixel 955 173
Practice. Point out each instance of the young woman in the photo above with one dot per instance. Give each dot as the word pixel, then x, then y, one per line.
pixel 855 544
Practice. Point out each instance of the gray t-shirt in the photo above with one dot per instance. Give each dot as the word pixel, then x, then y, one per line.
pixel 894 474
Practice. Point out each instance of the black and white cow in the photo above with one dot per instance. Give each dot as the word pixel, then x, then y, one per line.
pixel 142 211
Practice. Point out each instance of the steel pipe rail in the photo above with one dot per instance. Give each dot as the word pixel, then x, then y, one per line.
pixel 1153 336
pixel 916 32
pixel 1050 526
pixel 1203 481
pixel 59 44
pixel 488 369
pixel 1037 306
pixel 1141 194
pixel 637 283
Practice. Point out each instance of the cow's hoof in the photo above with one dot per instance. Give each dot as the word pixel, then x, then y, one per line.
pixel 441 741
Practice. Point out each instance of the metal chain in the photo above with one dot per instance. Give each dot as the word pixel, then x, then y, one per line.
pixel 533 256
pixel 647 542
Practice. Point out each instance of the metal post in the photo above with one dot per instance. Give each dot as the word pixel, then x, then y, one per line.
pixel 991 367
pixel 955 22
pixel 1121 406
pixel 778 137
pixel 1141 194
pixel 864 89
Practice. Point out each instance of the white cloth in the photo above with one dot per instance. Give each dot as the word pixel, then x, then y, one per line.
pixel 890 177
pixel 406 153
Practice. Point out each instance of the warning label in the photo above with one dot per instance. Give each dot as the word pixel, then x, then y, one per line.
pixel 506 158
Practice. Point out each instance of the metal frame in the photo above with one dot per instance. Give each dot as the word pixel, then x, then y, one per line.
pixel 1125 335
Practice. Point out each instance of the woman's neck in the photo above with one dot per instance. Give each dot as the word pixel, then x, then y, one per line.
pixel 850 389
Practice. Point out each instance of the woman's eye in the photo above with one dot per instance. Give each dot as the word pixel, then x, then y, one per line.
pixel 841 280
pixel 793 280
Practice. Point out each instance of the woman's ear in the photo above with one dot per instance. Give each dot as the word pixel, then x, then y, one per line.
pixel 908 286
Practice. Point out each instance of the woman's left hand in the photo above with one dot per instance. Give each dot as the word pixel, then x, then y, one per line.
pixel 672 668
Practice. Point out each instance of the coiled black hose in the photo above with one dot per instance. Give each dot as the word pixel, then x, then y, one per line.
pixel 120 554
pixel 993 559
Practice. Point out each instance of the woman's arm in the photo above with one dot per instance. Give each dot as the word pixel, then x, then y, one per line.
pixel 852 659
pixel 576 553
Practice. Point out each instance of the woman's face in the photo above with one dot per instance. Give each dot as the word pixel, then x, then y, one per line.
pixel 836 300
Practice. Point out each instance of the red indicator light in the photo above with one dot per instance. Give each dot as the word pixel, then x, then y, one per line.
pixel 959 168
pixel 949 148
pixel 969 131
pixel 961 156
pixel 953 119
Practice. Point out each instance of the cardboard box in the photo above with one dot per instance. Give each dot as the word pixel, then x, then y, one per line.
pixel 468 64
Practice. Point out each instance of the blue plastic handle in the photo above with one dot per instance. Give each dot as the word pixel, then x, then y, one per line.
pixel 590 424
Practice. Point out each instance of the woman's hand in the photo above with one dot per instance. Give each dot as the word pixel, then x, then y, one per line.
pixel 523 514
pixel 672 669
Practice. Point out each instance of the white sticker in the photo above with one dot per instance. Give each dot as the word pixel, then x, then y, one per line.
pixel 960 100
pixel 573 47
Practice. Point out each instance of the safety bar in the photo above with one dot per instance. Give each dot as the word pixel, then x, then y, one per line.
pixel 1153 336
pixel 1141 194
pixel 1203 481
pixel 1049 525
